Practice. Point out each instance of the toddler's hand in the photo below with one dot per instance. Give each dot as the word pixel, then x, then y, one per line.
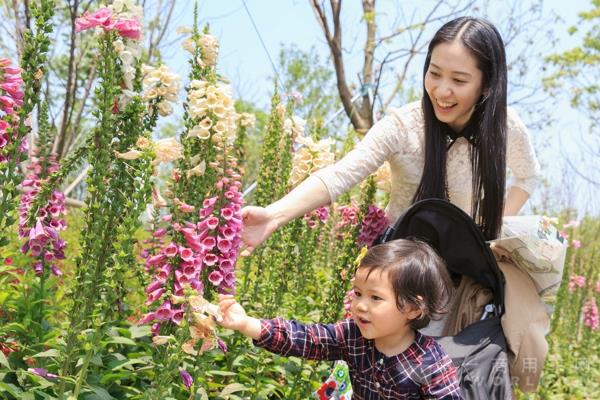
pixel 234 316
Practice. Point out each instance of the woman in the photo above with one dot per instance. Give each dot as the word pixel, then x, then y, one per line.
pixel 455 144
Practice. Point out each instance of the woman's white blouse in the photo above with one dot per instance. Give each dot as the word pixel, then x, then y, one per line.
pixel 399 139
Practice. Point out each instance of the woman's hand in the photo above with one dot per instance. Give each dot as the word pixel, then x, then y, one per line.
pixel 259 224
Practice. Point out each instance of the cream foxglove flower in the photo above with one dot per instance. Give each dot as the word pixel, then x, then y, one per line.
pixel 143 142
pixel 199 132
pixel 129 155
pixel 167 150
pixel 209 46
pixel 188 45
pixel 247 120
pixel 164 108
pixel 198 170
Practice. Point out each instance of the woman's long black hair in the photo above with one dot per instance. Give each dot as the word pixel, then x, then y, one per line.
pixel 488 153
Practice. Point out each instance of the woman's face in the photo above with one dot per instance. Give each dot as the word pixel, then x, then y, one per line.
pixel 454 83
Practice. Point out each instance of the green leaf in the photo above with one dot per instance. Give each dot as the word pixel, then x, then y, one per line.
pixel 138 331
pixel 43 395
pixel 115 376
pixel 232 388
pixel 221 373
pixel 4 361
pixel 201 394
pixel 48 353
pixel 100 393
pixel 128 363
pixel 121 340
pixel 10 388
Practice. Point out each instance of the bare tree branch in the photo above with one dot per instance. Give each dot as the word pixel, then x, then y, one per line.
pixel 76 181
pixel 360 121
pixel 154 44
pixel 76 126
pixel 59 142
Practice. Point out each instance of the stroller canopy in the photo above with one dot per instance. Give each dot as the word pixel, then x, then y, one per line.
pixel 457 239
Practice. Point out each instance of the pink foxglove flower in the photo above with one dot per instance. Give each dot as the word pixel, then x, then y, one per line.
pixel 42 372
pixel 313 218
pixel 590 314
pixel 186 378
pixel 102 17
pixel 129 28
pixel 373 225
pixel 43 240
pixel 11 99
pixel 348 218
pixel 575 282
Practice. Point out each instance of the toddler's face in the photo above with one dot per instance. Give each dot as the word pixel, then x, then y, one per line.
pixel 374 307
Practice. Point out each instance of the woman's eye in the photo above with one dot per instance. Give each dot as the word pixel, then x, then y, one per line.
pixel 460 82
pixel 434 74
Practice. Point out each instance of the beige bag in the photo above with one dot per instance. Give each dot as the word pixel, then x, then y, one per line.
pixel 533 244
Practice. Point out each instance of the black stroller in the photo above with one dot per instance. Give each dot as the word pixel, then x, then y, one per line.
pixel 479 351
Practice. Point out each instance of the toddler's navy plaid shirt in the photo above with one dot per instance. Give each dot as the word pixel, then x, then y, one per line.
pixel 422 371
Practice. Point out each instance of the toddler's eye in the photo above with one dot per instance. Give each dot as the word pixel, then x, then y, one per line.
pixel 376 298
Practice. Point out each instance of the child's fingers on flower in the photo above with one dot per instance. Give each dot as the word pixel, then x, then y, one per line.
pixel 225 304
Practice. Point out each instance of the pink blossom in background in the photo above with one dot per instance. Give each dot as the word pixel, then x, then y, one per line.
pixel 597 287
pixel 103 18
pixel 11 88
pixel 129 28
pixel 373 225
pixel 297 96
pixel 590 314
pixel 575 243
pixel 11 98
pixel 313 218
pixel 576 281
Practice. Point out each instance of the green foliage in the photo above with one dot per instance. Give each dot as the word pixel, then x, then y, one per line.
pixel 304 72
pixel 579 67
pixel 268 176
